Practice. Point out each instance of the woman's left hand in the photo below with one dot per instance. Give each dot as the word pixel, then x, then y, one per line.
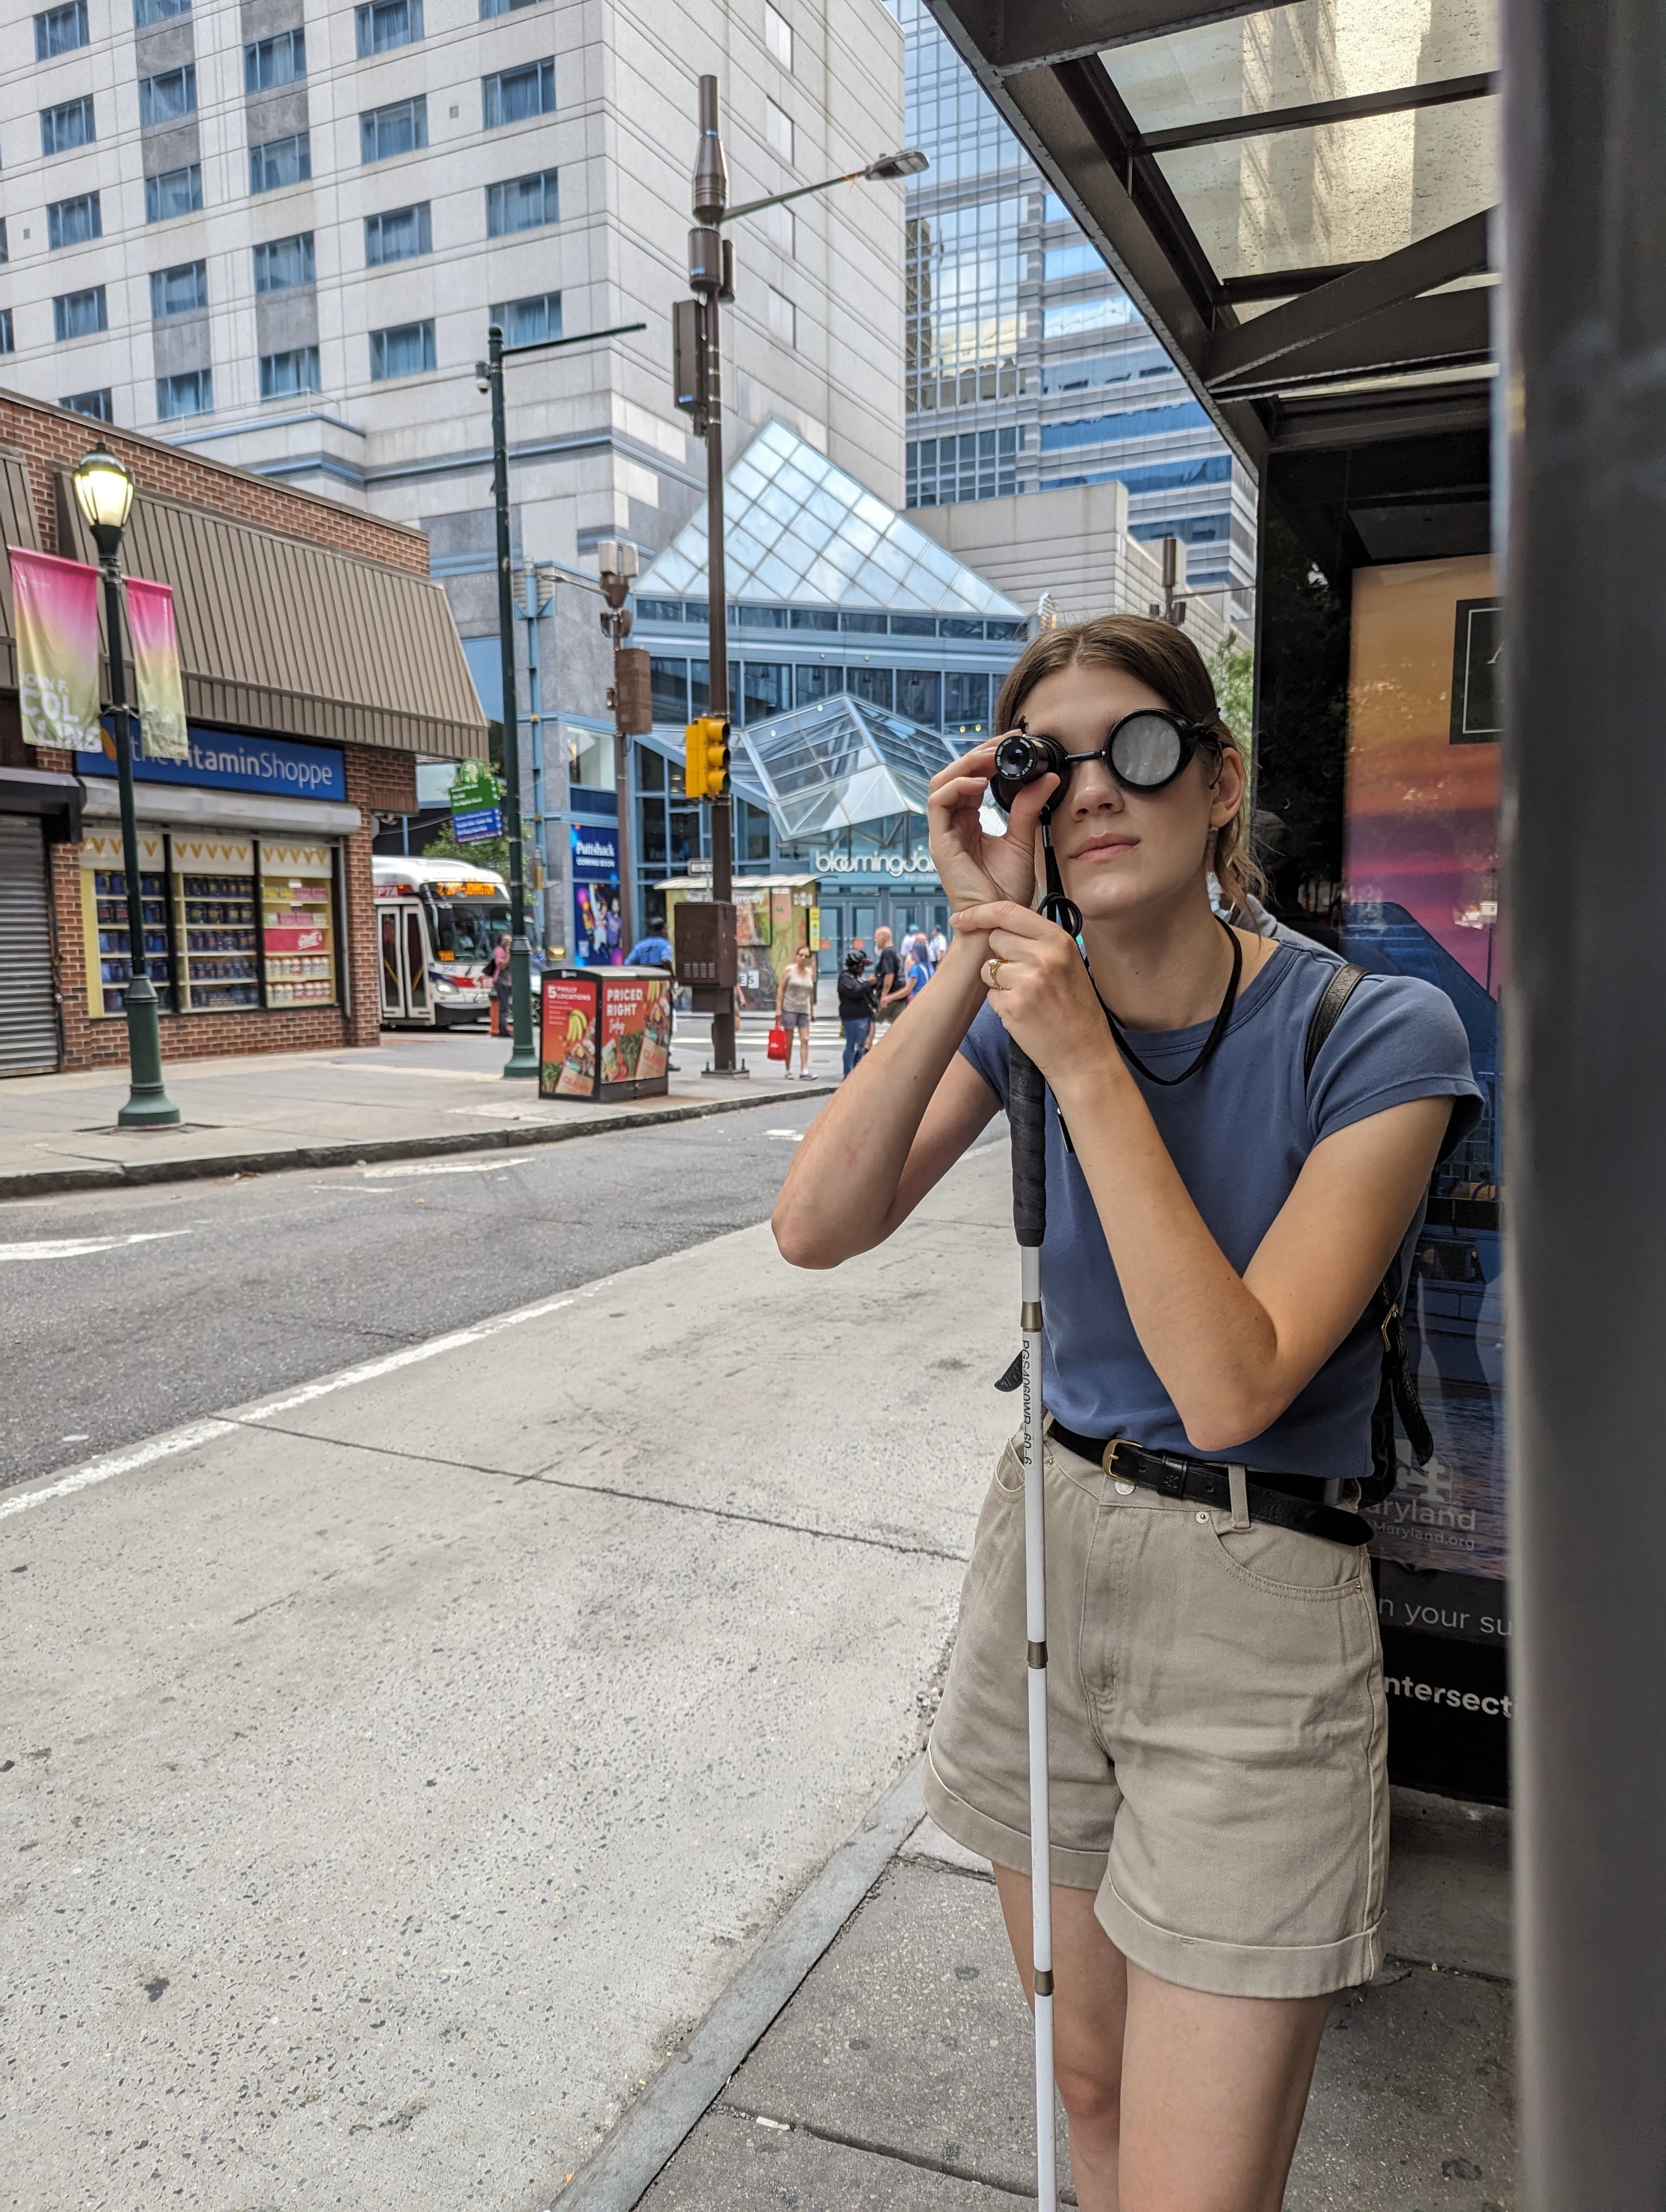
pixel 1041 991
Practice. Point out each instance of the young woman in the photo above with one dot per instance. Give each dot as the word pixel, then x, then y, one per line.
pixel 1216 1228
pixel 795 1006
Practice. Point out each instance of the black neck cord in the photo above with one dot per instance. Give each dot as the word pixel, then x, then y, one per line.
pixel 1211 1043
pixel 1056 908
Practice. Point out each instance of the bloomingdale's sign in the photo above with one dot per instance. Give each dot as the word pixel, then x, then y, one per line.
pixel 915 863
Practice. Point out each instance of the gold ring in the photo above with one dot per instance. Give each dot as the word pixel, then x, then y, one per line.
pixel 992 967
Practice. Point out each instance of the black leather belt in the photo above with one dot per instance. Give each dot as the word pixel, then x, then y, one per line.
pixel 1287 1501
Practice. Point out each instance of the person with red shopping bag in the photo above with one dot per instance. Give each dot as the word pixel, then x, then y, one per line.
pixel 795 1009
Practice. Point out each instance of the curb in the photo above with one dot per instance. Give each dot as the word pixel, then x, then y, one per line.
pixel 653 2129
pixel 43 1183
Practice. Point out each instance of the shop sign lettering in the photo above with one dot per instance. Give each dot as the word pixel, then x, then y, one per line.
pixel 915 863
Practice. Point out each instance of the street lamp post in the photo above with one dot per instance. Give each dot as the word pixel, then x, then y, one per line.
pixel 711 275
pixel 522 1053
pixel 104 492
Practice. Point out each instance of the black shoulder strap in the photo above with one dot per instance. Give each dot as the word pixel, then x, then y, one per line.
pixel 1398 1390
pixel 1336 995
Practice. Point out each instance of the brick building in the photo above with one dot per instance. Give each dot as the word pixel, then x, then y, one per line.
pixel 319 664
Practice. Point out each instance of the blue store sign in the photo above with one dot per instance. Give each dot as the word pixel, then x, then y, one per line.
pixel 222 761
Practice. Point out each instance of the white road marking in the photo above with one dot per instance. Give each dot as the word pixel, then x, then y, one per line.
pixel 444 1167
pixel 796 1136
pixel 198 1433
pixel 77 1247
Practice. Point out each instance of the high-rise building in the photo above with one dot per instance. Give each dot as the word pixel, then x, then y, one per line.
pixel 1028 368
pixel 276 232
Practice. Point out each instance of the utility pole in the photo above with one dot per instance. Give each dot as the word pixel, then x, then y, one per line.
pixel 631 699
pixel 698 375
pixel 711 273
pixel 523 1059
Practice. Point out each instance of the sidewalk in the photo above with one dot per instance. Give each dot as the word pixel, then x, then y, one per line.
pixel 898 2078
pixel 415 1094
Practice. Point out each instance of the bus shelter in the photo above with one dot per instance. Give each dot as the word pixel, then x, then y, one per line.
pixel 1312 203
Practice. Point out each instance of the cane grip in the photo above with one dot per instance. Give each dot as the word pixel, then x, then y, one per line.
pixel 1026 1109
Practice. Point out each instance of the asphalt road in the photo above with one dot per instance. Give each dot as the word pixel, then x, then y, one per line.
pixel 130 1313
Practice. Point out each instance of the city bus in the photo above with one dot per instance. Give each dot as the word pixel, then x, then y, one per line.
pixel 439 922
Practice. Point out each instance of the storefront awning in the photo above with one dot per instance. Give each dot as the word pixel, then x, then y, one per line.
pixel 277 634
pixel 1297 197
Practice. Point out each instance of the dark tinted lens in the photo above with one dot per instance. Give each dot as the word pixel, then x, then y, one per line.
pixel 1147 751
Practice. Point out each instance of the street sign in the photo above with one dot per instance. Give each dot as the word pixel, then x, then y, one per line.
pixel 477 825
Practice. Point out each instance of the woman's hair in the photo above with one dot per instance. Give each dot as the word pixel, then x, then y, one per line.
pixel 1166 661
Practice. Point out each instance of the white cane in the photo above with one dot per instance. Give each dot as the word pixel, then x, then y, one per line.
pixel 1025 1108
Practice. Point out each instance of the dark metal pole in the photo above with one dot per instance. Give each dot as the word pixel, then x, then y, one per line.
pixel 1585 89
pixel 148 1106
pixel 711 197
pixel 523 1055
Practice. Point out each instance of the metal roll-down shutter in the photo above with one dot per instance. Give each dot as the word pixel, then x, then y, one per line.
pixel 28 1005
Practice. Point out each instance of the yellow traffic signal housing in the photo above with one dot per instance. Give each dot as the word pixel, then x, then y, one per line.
pixel 706 757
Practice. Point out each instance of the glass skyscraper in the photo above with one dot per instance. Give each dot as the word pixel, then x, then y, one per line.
pixel 1028 365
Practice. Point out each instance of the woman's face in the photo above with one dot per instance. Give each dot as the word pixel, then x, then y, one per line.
pixel 1120 850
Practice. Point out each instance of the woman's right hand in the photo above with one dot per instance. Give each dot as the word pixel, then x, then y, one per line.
pixel 973 866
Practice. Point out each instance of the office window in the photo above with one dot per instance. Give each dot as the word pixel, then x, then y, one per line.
pixel 399 128
pixel 918 693
pixel 272 62
pixel 95 404
pixel 528 322
pixel 179 291
pixel 778 35
pixel 4 256
pixel 283 374
pixel 158 11
pixel 72 222
pixel 516 95
pixel 7 344
pixel 965 703
pixel 778 129
pixel 79 314
pixel 167 97
pixel 405 350
pixel 490 8
pixel 872 685
pixel 386 24
pixel 817 681
pixel 175 191
pixel 281 261
pixel 192 393
pixel 396 235
pixel 280 162
pixel 668 687
pixel 60 30
pixel 67 126
pixel 782 316
pixel 766 689
pixel 522 204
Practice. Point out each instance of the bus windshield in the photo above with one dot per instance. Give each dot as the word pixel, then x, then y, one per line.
pixel 467 929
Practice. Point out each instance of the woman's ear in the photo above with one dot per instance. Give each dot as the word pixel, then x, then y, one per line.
pixel 1229 787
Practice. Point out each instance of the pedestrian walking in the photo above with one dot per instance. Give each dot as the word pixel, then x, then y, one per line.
pixel 919 970
pixel 1243 1134
pixel 795 1007
pixel 939 945
pixel 891 990
pixel 856 993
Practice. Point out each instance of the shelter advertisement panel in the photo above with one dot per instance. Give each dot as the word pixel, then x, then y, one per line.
pixel 1422 899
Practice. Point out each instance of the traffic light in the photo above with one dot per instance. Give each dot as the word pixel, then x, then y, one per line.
pixel 706 757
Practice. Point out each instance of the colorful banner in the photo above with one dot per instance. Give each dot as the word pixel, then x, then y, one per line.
pixel 156 682
pixel 58 650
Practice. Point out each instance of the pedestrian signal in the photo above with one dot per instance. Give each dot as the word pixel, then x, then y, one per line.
pixel 706 757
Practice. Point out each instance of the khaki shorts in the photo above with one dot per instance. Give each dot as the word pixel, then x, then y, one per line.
pixel 1217 1723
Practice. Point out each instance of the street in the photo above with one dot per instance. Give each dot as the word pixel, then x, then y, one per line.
pixel 397 1768
pixel 185 1297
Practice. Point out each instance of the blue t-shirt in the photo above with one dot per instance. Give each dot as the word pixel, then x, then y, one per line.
pixel 1238 1131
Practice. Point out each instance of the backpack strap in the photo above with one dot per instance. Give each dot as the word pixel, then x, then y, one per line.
pixel 1397 1392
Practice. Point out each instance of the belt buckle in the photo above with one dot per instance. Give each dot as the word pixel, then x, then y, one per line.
pixel 1108 1456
